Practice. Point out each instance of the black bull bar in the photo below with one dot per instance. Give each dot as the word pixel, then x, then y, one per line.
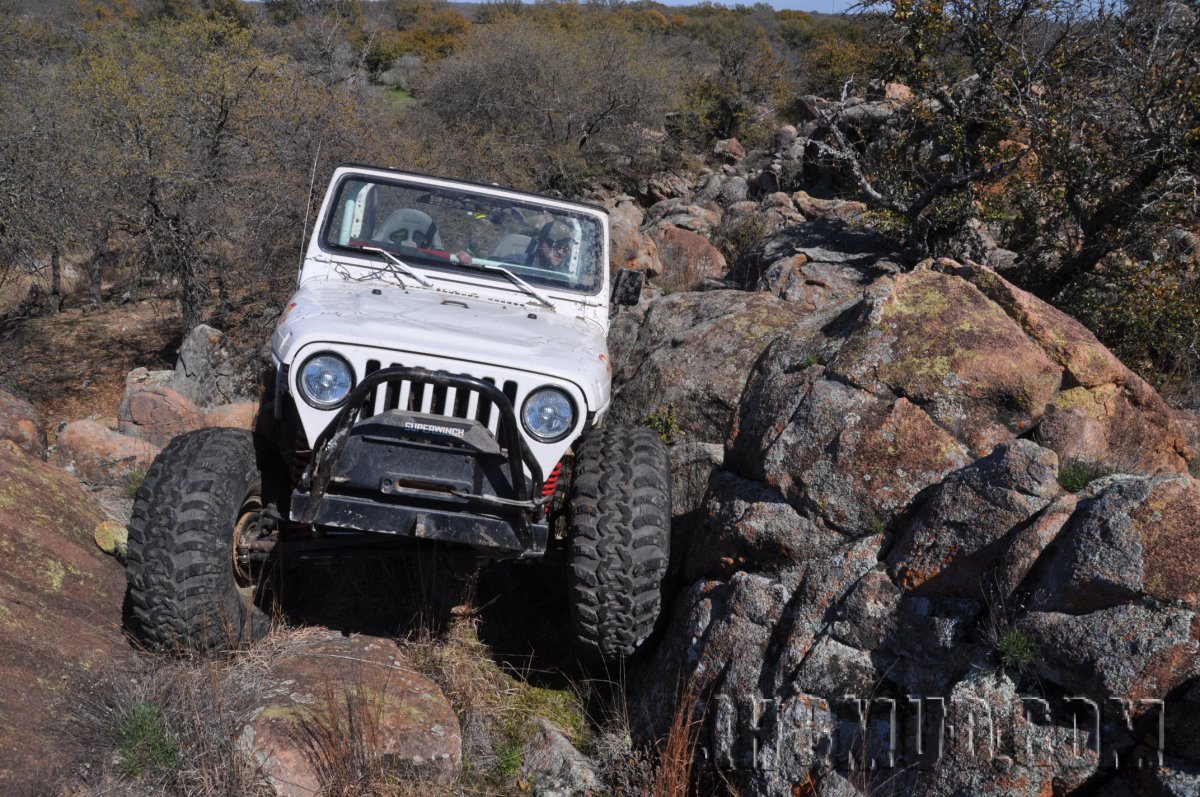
pixel 501 523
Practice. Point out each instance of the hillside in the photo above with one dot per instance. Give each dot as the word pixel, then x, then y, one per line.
pixel 920 333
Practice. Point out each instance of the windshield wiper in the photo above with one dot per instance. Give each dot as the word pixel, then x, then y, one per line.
pixel 398 265
pixel 513 278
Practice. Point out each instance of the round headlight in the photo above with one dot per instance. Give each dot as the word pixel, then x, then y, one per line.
pixel 325 381
pixel 548 414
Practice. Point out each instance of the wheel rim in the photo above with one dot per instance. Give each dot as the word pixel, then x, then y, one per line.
pixel 248 528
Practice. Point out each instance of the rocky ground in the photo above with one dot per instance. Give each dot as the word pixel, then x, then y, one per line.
pixel 930 536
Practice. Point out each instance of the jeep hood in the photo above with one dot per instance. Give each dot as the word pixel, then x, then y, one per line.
pixel 448 325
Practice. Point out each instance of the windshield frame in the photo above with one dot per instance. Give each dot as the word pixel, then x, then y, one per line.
pixel 590 225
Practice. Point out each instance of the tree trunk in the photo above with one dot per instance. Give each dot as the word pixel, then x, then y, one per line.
pixel 55 303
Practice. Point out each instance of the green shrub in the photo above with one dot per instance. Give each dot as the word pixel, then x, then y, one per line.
pixel 509 759
pixel 664 422
pixel 737 235
pixel 145 741
pixel 1075 474
pixel 1016 649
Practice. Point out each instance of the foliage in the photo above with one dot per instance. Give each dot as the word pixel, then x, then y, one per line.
pixel 664 422
pixel 549 111
pixel 735 236
pixel 146 744
pixel 1016 649
pixel 729 101
pixel 427 29
pixel 1075 474
pixel 180 149
pixel 1074 123
pixel 1147 309
pixel 829 50
pixel 285 11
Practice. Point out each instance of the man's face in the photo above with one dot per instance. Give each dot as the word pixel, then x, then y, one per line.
pixel 554 252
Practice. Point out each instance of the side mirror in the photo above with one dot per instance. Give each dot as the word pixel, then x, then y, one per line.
pixel 626 289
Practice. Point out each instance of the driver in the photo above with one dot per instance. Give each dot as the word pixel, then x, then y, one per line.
pixel 553 247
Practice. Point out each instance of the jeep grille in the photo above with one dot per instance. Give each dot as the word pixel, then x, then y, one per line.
pixel 417 396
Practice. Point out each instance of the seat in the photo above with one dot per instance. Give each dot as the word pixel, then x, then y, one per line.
pixel 407 227
pixel 512 248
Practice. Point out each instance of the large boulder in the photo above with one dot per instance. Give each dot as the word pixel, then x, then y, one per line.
pixel 1141 433
pixel 944 345
pixel 949 547
pixel 818 208
pixel 157 414
pixel 60 609
pixel 20 423
pixel 1132 537
pixel 1131 651
pixel 888 529
pixel 333 692
pixel 687 258
pixel 100 455
pixel 681 214
pixel 690 353
pixel 211 371
pixel 816 264
pixel 630 248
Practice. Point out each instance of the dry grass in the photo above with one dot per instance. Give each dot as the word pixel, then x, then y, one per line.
pixel 672 775
pixel 170 727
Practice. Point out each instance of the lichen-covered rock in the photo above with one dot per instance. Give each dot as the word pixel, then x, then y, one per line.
pixel 992 748
pixel 99 455
pixel 949 548
pixel 681 214
pixel 689 353
pixel 554 766
pixel 838 262
pixel 334 686
pixel 60 610
pixel 750 526
pixel 20 423
pixel 209 371
pixel 933 643
pixel 866 619
pixel 941 343
pixel 1073 435
pixel 629 247
pixel 112 537
pixel 157 414
pixel 686 257
pixel 1130 651
pixel 816 208
pixel 692 465
pixel 840 452
pixel 1141 432
pixel 1131 537
pixel 239 415
pixel 888 523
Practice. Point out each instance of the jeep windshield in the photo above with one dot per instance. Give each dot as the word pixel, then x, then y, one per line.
pixel 455 229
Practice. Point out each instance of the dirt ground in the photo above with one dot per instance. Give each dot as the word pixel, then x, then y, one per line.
pixel 72 364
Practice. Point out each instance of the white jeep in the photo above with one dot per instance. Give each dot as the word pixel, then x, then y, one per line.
pixel 442 374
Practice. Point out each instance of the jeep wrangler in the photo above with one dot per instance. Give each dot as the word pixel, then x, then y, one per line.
pixel 441 376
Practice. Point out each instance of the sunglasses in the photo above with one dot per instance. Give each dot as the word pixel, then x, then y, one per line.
pixel 560 246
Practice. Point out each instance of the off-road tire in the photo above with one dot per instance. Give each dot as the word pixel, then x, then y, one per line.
pixel 620 536
pixel 183 591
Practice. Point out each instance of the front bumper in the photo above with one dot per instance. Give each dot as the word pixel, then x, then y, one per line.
pixel 424 477
pixel 491 536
